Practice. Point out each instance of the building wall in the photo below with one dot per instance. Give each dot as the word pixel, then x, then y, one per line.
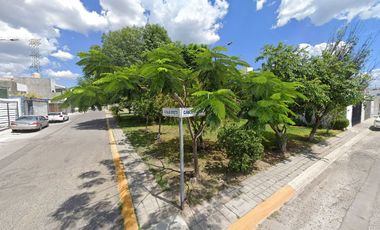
pixel 41 86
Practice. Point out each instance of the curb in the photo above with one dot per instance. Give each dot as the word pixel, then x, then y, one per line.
pixel 263 210
pixel 127 210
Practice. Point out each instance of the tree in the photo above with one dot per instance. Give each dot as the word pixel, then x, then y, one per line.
pixel 168 73
pixel 95 63
pixel 332 80
pixel 269 101
pixel 128 46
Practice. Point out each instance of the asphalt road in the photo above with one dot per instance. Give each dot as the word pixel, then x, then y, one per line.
pixel 59 178
pixel 345 196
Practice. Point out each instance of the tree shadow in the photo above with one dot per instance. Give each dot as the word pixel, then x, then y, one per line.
pixel 92 183
pixel 90 209
pixel 97 124
pixel 89 174
pixel 79 210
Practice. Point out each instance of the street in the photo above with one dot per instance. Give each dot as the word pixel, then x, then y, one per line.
pixel 61 177
pixel 345 196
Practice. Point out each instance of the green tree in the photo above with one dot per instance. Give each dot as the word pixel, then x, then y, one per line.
pixel 94 63
pixel 167 72
pixel 128 46
pixel 269 101
pixel 331 80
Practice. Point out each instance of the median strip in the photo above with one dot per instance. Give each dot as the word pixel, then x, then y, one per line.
pixel 128 213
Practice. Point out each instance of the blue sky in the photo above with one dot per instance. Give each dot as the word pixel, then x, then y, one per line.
pixel 67 27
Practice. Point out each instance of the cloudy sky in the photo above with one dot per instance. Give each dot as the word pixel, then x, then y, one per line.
pixel 67 27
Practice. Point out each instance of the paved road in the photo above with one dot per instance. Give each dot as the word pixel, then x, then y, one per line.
pixel 345 196
pixel 59 178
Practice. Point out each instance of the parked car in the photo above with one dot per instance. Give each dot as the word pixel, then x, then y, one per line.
pixel 31 122
pixel 58 116
pixel 376 122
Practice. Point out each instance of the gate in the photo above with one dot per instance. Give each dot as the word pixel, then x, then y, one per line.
pixel 356 114
pixel 8 113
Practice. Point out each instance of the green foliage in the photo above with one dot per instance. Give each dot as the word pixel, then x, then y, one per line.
pixel 94 63
pixel 340 123
pixel 216 105
pixel 243 147
pixel 83 96
pixel 128 46
pixel 215 70
pixel 165 70
pixel 331 80
pixel 268 102
pixel 121 84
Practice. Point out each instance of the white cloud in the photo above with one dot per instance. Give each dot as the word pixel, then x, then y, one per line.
pixel 123 13
pixel 315 50
pixel 62 55
pixel 260 4
pixel 60 74
pixel 189 21
pixel 322 11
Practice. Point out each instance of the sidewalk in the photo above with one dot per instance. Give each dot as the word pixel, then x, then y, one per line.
pixel 156 212
pixel 235 202
pixel 153 210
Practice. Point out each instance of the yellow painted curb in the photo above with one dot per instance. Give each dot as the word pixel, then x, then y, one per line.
pixel 128 212
pixel 250 220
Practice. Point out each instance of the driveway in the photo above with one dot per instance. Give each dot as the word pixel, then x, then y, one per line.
pixel 345 196
pixel 61 177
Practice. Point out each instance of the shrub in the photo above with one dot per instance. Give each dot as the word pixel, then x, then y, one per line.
pixel 341 123
pixel 243 147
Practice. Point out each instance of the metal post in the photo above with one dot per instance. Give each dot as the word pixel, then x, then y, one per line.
pixel 9 118
pixel 182 178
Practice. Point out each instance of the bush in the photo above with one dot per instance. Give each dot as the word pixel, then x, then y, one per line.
pixel 341 123
pixel 243 147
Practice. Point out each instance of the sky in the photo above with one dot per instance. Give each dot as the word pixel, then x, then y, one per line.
pixel 71 26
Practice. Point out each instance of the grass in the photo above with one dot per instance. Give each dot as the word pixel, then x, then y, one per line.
pixel 162 156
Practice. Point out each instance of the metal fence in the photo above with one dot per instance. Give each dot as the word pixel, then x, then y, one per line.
pixel 8 113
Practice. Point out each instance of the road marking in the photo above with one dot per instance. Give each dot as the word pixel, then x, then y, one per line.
pixel 264 209
pixel 128 211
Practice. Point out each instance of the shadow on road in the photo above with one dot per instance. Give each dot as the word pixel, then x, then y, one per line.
pixel 97 124
pixel 89 209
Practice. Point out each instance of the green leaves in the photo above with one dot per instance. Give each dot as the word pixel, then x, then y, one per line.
pixel 217 105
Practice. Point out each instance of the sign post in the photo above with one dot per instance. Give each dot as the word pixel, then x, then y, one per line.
pixel 180 113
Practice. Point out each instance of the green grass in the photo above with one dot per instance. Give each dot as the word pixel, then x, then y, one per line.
pixel 162 156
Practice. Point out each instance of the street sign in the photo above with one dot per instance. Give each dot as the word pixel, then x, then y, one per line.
pixel 181 113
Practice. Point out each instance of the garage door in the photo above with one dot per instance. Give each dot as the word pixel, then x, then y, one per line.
pixel 8 113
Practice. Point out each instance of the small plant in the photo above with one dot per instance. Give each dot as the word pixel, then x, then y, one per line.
pixel 341 123
pixel 243 147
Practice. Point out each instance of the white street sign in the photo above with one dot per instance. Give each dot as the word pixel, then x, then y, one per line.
pixel 180 112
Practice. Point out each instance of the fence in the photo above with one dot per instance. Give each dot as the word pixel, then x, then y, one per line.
pixel 8 113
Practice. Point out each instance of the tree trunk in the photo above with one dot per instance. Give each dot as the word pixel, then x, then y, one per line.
pixel 146 123
pixel 315 128
pixel 282 141
pixel 159 129
pixel 201 143
pixel 195 158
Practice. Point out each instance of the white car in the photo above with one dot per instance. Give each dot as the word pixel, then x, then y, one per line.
pixel 376 123
pixel 58 116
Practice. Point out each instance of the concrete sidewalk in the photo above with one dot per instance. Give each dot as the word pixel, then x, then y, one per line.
pixel 235 202
pixel 154 211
